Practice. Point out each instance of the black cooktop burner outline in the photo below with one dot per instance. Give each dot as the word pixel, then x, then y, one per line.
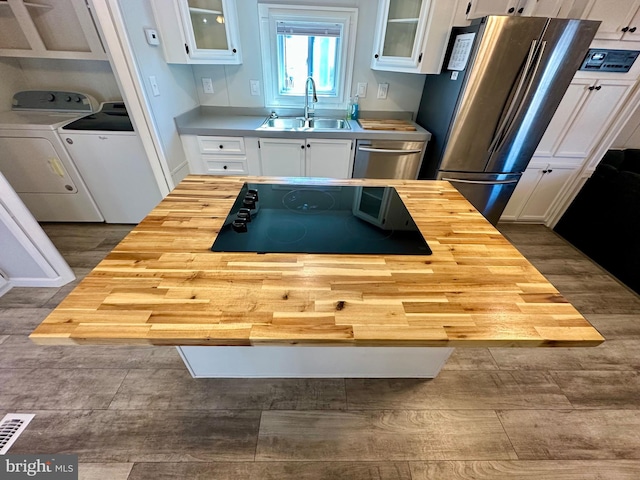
pixel 258 220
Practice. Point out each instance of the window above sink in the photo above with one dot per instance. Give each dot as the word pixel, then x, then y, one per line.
pixel 307 41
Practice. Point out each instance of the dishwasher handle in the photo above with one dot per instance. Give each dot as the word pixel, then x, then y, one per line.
pixel 481 182
pixel 387 150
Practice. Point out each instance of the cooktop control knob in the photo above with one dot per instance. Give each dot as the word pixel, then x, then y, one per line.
pixel 78 99
pixel 239 225
pixel 249 201
pixel 253 193
pixel 244 214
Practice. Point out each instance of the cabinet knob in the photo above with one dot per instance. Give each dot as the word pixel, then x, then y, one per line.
pixel 591 87
pixel 302 146
pixel 308 145
pixel 520 10
pixel 224 167
pixel 511 10
pixel 234 51
pixel 598 87
pixel 376 56
pixel 632 29
pixel 625 29
pixel 220 147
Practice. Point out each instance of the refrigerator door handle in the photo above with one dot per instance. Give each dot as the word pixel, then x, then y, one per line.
pixel 506 119
pixel 386 150
pixel 532 77
pixel 481 182
pixel 529 73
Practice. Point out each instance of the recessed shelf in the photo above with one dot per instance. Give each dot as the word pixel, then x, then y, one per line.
pixel 204 11
pixel 27 4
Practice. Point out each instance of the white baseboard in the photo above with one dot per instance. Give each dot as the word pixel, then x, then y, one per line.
pixel 4 286
pixel 37 282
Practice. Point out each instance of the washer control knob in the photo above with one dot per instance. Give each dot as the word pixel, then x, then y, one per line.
pixel 51 97
pixel 67 98
pixel 78 99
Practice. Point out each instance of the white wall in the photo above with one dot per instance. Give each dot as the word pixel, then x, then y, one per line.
pixel 231 82
pixel 175 83
pixel 94 77
pixel 13 80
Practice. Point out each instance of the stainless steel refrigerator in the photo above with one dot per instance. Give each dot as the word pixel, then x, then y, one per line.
pixel 501 82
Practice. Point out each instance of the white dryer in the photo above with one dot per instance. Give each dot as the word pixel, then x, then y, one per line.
pixel 36 164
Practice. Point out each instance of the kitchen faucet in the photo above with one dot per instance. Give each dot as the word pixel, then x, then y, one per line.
pixel 309 111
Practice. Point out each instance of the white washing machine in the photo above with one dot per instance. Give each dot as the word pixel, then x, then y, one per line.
pixel 36 164
pixel 111 159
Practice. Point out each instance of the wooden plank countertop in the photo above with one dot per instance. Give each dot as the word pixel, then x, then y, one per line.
pixel 162 285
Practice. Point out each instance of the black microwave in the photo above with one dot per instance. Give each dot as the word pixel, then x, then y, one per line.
pixel 607 60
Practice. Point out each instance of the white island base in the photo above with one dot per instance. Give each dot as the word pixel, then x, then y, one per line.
pixel 314 362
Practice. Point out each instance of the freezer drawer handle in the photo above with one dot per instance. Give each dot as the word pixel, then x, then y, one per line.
pixel 481 182
pixel 386 150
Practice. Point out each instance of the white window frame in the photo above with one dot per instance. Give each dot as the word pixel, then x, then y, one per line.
pixel 270 14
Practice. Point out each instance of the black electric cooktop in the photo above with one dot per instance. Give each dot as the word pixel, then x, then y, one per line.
pixel 298 218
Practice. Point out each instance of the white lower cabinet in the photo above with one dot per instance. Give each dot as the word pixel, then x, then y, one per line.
pixel 331 158
pixel 538 191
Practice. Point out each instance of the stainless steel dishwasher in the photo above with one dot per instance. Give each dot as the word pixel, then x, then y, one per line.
pixel 388 159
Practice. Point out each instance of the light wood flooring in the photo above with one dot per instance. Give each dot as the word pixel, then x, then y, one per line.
pixel 135 413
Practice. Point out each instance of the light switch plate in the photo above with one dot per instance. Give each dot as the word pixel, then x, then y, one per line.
pixel 255 87
pixel 362 90
pixel 383 90
pixel 207 85
pixel 154 85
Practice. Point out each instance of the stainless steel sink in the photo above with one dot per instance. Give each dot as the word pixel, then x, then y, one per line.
pixel 299 124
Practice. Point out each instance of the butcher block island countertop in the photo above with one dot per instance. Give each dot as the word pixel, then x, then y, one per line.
pixel 163 286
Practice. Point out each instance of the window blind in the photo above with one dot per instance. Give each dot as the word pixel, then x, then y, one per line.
pixel 310 29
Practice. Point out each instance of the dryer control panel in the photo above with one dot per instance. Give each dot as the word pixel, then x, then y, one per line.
pixel 53 101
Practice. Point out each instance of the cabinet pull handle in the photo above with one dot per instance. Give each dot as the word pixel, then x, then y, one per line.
pixel 598 87
pixel 632 29
pixel 625 29
pixel 592 87
pixel 520 10
pixel 511 10
pixel 468 8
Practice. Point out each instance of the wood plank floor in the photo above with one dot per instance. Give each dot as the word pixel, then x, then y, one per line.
pixel 134 412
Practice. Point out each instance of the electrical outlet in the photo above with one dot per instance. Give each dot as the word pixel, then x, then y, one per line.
pixel 383 89
pixel 154 85
pixel 255 87
pixel 362 90
pixel 207 85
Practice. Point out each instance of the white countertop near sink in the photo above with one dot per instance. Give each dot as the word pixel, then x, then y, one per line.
pixel 212 121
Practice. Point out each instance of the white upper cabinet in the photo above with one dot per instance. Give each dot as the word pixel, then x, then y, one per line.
pixel 49 29
pixel 412 35
pixel 198 31
pixel 618 17
pixel 531 8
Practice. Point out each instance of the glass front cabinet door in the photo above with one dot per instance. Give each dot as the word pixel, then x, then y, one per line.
pixel 412 35
pixel 401 26
pixel 198 31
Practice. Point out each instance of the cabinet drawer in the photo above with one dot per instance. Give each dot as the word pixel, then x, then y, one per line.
pixel 220 166
pixel 226 145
